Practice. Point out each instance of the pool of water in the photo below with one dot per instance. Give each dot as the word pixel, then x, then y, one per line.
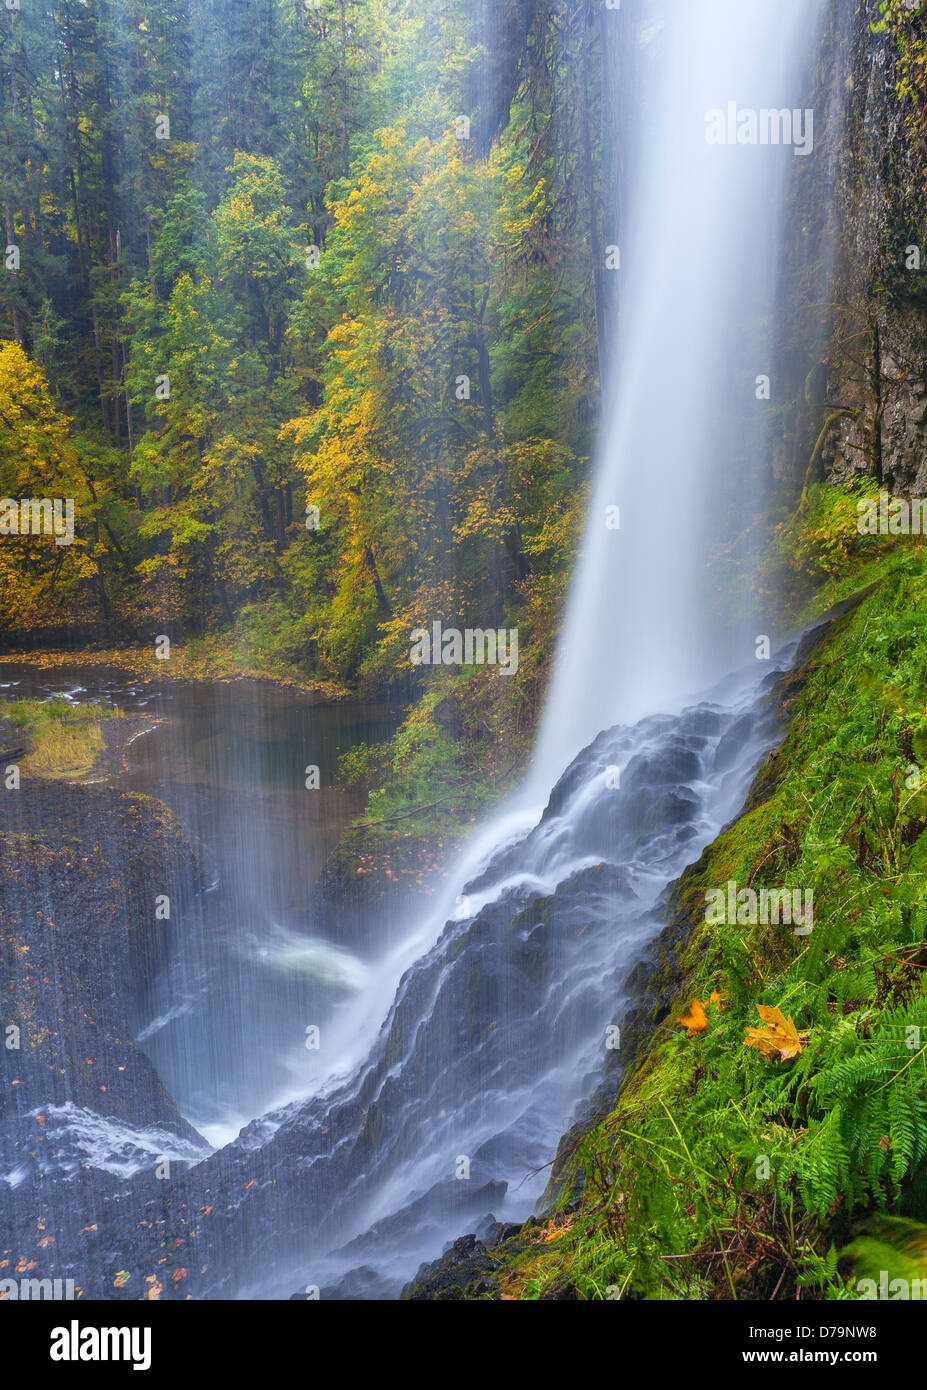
pixel 249 967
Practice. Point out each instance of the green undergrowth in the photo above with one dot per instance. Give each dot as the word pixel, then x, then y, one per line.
pixel 719 1173
pixel 465 738
pixel 443 768
pixel 818 557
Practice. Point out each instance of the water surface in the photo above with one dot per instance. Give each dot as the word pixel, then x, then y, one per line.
pixel 249 968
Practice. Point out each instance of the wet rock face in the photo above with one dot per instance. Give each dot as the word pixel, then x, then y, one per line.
pixel 851 350
pixel 82 1109
pixel 465 1271
pixel 470 1267
pixel 363 879
pixel 80 868
pixel 873 350
pixel 902 430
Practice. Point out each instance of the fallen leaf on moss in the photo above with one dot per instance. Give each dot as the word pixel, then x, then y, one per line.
pixel 780 1040
pixel 553 1232
pixel 696 1019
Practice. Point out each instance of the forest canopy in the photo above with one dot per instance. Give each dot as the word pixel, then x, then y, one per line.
pixel 302 304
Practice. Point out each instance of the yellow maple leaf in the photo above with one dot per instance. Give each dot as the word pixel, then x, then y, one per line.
pixel 553 1231
pixel 780 1040
pixel 696 1019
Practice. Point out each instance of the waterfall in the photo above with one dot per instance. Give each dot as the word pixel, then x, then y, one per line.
pixel 698 256
pixel 497 1007
pixel 662 606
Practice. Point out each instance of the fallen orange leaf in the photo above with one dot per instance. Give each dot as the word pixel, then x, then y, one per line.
pixel 696 1019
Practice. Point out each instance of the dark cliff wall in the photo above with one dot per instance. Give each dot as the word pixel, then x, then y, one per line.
pixel 854 275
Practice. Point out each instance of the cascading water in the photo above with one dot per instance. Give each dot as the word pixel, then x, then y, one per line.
pixel 497 1032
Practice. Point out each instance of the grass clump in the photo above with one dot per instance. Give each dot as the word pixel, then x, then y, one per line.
pixel 65 739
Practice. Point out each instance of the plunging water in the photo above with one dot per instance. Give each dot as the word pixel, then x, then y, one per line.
pixel 684 448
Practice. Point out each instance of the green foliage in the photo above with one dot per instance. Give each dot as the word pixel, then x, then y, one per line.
pixel 363 765
pixel 306 378
pixel 29 713
pixel 823 541
pixel 906 23
pixel 817 555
